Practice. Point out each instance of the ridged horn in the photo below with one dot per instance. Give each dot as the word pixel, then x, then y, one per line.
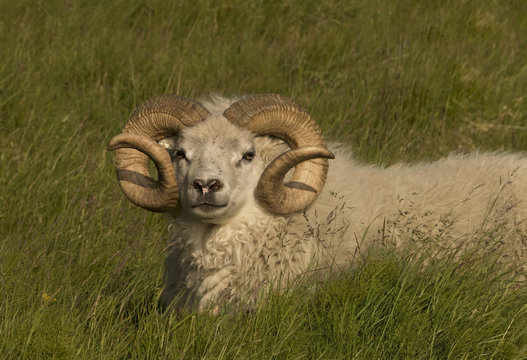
pixel 271 114
pixel 156 119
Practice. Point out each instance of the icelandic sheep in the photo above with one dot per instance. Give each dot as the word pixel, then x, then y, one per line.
pixel 237 227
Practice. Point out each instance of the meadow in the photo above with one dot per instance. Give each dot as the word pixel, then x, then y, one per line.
pixel 81 268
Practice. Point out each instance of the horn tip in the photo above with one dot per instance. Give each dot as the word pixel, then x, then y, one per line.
pixel 325 153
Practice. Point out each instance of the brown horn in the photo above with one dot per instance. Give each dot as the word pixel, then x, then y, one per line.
pixel 156 119
pixel 160 195
pixel 278 116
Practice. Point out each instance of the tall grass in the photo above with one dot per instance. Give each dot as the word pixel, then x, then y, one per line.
pixel 81 268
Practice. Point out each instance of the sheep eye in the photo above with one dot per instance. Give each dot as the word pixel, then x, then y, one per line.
pixel 180 154
pixel 249 155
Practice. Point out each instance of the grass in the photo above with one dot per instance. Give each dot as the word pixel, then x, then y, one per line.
pixel 81 268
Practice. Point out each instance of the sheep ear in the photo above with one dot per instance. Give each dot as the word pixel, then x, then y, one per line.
pixel 170 145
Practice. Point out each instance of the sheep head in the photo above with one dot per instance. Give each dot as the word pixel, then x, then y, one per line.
pixel 211 158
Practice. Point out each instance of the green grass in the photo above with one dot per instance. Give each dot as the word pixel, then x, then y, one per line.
pixel 81 268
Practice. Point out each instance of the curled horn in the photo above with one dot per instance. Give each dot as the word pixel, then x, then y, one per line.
pixel 277 116
pixel 156 119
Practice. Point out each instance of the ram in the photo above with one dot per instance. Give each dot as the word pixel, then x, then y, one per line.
pixel 253 203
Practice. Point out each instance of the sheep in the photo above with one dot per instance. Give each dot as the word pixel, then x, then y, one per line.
pixel 236 228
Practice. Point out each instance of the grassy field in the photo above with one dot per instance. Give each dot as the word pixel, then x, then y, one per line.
pixel 81 268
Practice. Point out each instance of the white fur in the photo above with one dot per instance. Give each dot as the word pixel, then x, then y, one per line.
pixel 234 255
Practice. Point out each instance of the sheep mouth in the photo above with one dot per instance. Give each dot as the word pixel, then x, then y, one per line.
pixel 207 205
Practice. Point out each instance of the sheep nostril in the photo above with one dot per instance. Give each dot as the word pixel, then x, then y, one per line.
pixel 214 185
pixel 197 184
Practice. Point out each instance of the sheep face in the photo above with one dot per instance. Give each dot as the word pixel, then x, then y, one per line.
pixel 263 115
pixel 217 169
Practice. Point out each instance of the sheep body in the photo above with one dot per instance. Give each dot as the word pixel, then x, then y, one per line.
pixel 233 261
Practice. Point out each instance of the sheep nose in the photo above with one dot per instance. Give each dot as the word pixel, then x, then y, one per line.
pixel 204 187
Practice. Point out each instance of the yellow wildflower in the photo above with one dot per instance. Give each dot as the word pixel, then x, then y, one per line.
pixel 48 299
